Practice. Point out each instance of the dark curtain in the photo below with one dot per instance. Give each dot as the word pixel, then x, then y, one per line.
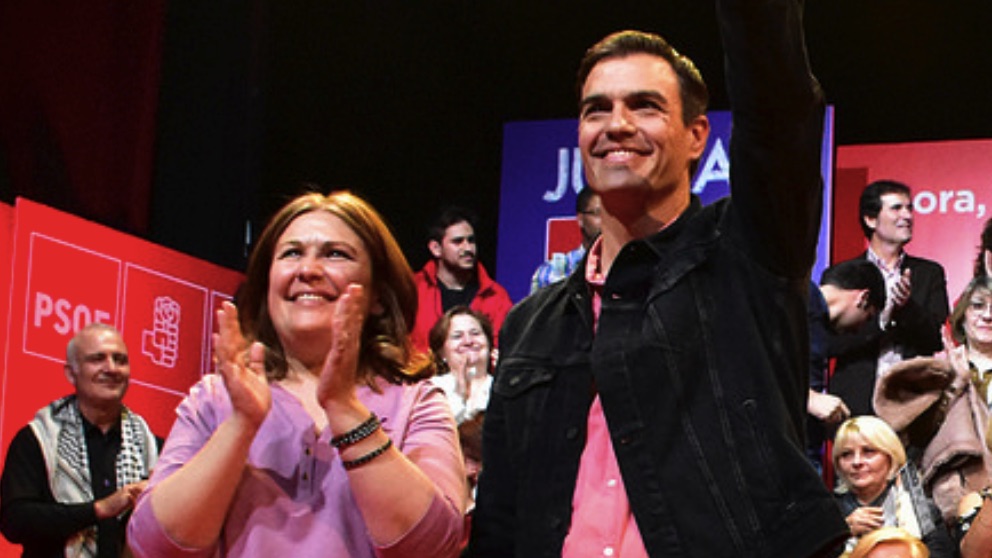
pixel 79 86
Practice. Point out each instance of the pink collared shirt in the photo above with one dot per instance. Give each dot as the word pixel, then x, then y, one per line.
pixel 602 523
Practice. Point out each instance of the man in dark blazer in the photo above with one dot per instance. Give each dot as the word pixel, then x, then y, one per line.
pixel 915 309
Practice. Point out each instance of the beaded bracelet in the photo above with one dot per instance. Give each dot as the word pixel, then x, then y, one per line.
pixel 349 465
pixel 357 434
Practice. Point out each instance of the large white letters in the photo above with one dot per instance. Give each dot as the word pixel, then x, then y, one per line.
pixel 715 167
pixel 64 316
pixel 566 171
pixel 948 201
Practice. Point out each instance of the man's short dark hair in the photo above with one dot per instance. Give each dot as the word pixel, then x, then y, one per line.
pixel 855 275
pixel 871 200
pixel 448 216
pixel 582 199
pixel 695 95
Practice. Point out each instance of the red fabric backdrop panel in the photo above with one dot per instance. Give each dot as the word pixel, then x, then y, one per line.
pixel 6 269
pixel 68 272
pixel 6 240
pixel 79 86
pixel 952 194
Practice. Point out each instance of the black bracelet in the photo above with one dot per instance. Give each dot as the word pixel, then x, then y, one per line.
pixel 357 434
pixel 349 465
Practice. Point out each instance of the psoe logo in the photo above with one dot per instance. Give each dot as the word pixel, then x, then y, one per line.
pixel 161 343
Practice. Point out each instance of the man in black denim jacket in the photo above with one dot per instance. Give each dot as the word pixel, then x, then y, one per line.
pixel 698 361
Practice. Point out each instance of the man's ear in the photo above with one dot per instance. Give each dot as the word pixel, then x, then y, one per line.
pixel 435 248
pixel 699 129
pixel 862 299
pixel 871 222
pixel 70 374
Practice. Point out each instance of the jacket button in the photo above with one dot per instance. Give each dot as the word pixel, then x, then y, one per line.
pixel 514 380
pixel 572 433
pixel 624 441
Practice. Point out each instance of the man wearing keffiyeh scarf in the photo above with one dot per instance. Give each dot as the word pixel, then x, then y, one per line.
pixel 73 473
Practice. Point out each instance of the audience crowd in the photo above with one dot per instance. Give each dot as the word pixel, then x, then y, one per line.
pixel 649 398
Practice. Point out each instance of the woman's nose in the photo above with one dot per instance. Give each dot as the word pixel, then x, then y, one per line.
pixel 307 268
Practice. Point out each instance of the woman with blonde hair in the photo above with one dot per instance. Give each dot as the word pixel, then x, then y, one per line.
pixel 889 542
pixel 314 438
pixel 878 488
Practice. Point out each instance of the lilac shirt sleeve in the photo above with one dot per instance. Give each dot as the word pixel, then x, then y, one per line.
pixel 195 422
pixel 431 442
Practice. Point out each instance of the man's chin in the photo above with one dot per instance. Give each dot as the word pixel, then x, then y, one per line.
pixel 621 179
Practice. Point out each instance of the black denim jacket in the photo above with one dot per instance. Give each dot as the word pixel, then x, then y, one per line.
pixel 701 353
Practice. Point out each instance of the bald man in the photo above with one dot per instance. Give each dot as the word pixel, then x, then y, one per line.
pixel 74 472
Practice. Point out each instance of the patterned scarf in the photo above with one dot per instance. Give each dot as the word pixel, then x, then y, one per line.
pixel 59 430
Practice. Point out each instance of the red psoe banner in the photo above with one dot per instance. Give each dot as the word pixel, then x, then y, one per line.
pixel 6 241
pixel 67 272
pixel 952 197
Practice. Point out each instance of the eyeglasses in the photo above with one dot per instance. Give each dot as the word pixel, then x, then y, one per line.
pixel 592 212
pixel 980 306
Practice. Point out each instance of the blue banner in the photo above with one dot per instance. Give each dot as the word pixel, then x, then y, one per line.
pixel 542 172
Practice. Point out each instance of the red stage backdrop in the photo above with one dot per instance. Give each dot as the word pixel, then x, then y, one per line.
pixel 6 238
pixel 952 194
pixel 68 272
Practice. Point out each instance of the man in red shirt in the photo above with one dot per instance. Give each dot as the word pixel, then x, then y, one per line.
pixel 454 276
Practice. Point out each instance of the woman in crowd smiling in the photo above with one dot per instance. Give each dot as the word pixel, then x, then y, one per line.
pixel 878 488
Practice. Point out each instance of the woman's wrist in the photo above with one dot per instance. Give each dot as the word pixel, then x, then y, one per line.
pixel 358 433
pixel 244 425
pixel 346 415
pixel 365 450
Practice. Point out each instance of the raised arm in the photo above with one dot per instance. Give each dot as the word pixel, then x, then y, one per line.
pixel 214 471
pixel 392 489
pixel 777 132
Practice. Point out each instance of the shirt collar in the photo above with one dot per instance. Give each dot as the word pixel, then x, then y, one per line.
pixel 873 258
pixel 594 264
pixel 90 429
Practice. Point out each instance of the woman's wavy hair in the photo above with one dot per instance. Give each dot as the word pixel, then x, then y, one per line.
pixel 981 284
pixel 386 350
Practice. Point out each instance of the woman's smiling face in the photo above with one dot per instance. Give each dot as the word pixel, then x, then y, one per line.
pixel 314 260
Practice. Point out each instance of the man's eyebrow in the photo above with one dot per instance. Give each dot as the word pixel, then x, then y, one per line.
pixel 592 99
pixel 631 95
